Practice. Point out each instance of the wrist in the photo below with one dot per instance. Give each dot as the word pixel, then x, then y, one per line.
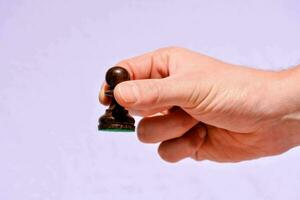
pixel 288 89
pixel 287 99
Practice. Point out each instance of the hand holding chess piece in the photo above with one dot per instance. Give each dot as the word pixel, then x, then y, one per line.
pixel 116 117
pixel 226 112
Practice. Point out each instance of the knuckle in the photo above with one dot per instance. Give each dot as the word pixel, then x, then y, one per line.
pixel 170 49
pixel 169 53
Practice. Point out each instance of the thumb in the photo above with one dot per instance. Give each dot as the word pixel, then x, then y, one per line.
pixel 153 93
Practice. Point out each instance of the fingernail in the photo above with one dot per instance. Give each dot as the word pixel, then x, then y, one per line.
pixel 128 92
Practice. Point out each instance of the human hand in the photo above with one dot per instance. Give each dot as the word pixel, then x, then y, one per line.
pixel 203 108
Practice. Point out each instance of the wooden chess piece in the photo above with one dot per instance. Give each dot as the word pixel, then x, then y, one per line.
pixel 116 117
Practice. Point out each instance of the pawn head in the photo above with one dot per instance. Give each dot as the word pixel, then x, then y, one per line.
pixel 116 75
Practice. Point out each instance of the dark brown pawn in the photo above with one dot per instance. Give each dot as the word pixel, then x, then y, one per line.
pixel 116 117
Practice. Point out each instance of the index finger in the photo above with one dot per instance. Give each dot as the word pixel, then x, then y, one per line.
pixel 150 65
pixel 154 64
pixel 103 99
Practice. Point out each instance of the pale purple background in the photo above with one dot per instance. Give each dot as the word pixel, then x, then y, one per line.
pixel 53 56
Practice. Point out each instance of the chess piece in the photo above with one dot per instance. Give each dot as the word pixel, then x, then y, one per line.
pixel 116 117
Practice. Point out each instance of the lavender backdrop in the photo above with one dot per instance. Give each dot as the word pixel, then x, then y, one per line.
pixel 53 56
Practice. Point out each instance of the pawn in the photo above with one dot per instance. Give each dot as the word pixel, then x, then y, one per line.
pixel 116 117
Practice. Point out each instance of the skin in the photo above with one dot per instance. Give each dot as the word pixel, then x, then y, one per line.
pixel 199 107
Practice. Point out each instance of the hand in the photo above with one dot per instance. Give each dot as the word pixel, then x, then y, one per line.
pixel 202 108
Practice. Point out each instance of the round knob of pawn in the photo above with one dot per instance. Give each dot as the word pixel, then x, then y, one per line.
pixel 116 75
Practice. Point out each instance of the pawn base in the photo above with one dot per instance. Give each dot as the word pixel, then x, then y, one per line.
pixel 116 127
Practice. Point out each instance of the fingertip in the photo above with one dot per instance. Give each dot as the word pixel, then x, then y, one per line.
pixel 183 147
pixel 119 97
pixel 166 155
pixel 140 131
pixel 103 99
pixel 142 135
pixel 126 93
